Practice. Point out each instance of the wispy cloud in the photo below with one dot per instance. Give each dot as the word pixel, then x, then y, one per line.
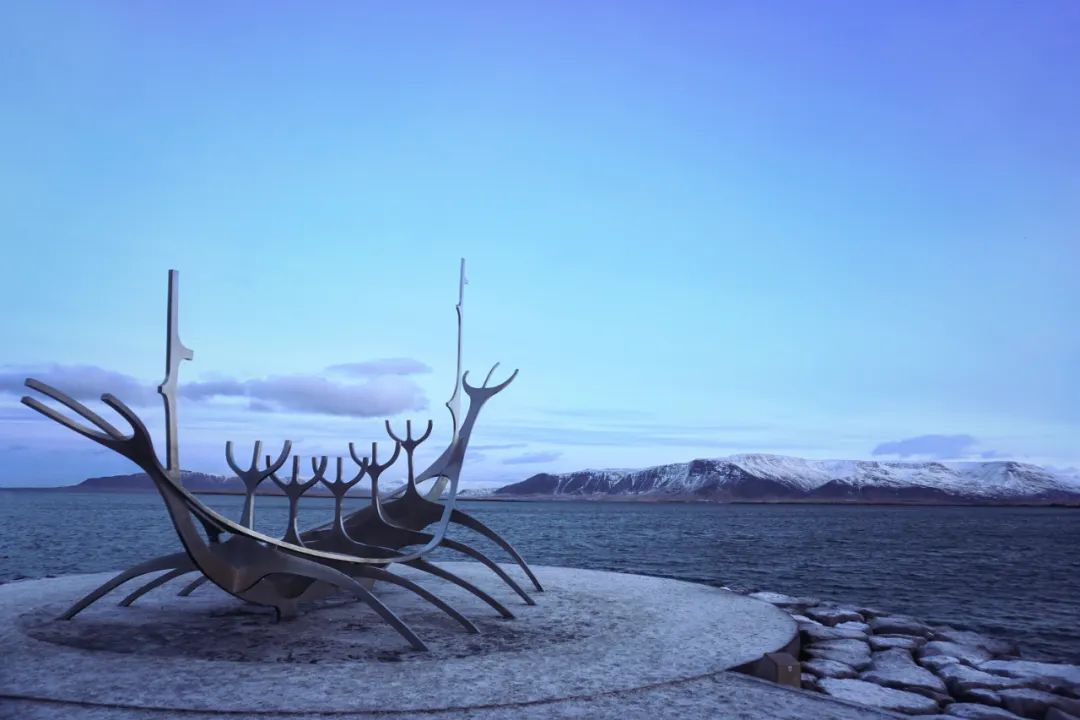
pixel 378 396
pixel 384 366
pixel 386 389
pixel 82 382
pixel 533 458
pixel 940 447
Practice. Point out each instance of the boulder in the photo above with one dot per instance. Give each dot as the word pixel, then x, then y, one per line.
pixel 971 711
pixel 833 614
pixel 1057 714
pixel 961 679
pixel 893 657
pixel 994 646
pixel 937 662
pixel 1027 702
pixel 1041 674
pixel 853 625
pixel 870 612
pixel 898 625
pixel 850 644
pixel 784 601
pixel 829 669
pixel 803 620
pixel 968 654
pixel 821 633
pixel 903 642
pixel 897 669
pixel 867 693
pixel 856 655
pixel 982 696
pixel 1068 705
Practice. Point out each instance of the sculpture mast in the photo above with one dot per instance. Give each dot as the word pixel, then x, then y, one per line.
pixel 454 403
pixel 175 351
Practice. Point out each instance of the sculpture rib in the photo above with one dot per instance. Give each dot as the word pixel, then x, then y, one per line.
pixel 156 582
pixel 472 523
pixel 492 565
pixel 387 576
pixel 437 571
pixel 193 586
pixel 164 562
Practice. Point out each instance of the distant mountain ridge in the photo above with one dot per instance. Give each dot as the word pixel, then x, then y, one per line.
pixel 193 481
pixel 777 478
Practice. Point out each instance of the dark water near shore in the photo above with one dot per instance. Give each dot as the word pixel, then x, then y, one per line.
pixel 1009 572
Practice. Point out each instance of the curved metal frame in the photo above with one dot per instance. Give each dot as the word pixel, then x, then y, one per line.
pixel 349 555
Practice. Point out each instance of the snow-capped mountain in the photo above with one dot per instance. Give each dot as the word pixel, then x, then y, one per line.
pixel 779 478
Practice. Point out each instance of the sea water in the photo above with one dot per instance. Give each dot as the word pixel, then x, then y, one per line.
pixel 1008 572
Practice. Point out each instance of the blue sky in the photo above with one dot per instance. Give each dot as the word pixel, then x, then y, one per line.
pixel 825 229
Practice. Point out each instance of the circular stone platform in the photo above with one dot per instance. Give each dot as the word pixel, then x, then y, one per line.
pixel 592 634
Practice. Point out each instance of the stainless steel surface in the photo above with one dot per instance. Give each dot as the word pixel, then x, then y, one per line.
pixel 252 477
pixel 347 555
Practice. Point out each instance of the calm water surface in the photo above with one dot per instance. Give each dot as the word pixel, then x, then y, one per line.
pixel 1011 572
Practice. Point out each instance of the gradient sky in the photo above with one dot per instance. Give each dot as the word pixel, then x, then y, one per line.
pixel 825 229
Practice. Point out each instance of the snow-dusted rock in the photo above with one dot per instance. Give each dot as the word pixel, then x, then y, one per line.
pixel 853 655
pixel 902 642
pixel 784 601
pixel 911 678
pixel 980 696
pixel 867 693
pixel 870 612
pixel 896 669
pixel 964 653
pixel 829 669
pixel 833 614
pixel 893 657
pixel 853 625
pixel 1059 714
pixel 846 643
pixel 803 620
pixel 1046 675
pixel 1028 702
pixel 1068 704
pixel 936 662
pixel 960 678
pixel 994 646
pixel 899 625
pixel 808 681
pixel 822 633
pixel 971 711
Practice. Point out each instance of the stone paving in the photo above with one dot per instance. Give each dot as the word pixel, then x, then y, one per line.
pixel 597 645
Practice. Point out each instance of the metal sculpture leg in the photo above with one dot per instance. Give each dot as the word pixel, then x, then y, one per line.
pixel 473 524
pixel 339 541
pixel 389 577
pixel 334 577
pixel 193 586
pixel 165 562
pixel 156 582
pixel 425 566
pixel 463 548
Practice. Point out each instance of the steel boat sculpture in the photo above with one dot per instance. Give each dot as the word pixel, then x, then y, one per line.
pixel 348 554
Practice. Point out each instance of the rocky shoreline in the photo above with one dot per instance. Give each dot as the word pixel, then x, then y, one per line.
pixel 935 672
